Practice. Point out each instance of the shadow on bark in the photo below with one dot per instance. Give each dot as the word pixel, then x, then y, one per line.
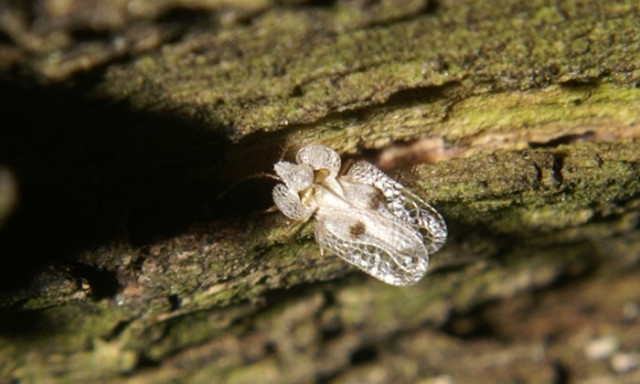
pixel 92 173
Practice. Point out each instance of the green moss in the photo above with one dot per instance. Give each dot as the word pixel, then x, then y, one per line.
pixel 512 90
pixel 361 68
pixel 264 371
pixel 534 190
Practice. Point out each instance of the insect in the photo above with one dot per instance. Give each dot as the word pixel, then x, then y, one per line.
pixel 363 216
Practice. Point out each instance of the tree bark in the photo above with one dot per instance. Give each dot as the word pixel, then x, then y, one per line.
pixel 137 245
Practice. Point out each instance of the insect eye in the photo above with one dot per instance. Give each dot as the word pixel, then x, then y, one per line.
pixel 321 175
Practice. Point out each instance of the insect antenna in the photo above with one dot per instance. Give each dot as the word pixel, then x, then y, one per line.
pixel 258 175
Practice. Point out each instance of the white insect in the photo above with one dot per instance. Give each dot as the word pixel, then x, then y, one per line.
pixel 363 216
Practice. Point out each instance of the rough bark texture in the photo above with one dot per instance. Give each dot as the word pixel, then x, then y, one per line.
pixel 135 246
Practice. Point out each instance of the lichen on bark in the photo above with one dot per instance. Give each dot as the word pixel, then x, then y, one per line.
pixel 520 123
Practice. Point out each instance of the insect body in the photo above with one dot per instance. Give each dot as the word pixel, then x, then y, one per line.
pixel 363 216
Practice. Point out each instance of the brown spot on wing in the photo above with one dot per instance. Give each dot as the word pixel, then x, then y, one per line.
pixel 358 229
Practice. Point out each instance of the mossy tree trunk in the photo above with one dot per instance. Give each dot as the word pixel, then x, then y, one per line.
pixel 134 242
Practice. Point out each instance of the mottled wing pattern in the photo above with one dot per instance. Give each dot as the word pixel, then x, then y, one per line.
pixel 289 203
pixel 405 205
pixel 364 217
pixel 319 157
pixel 297 177
pixel 380 246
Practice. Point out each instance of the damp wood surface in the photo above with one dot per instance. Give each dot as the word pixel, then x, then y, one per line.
pixel 136 245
